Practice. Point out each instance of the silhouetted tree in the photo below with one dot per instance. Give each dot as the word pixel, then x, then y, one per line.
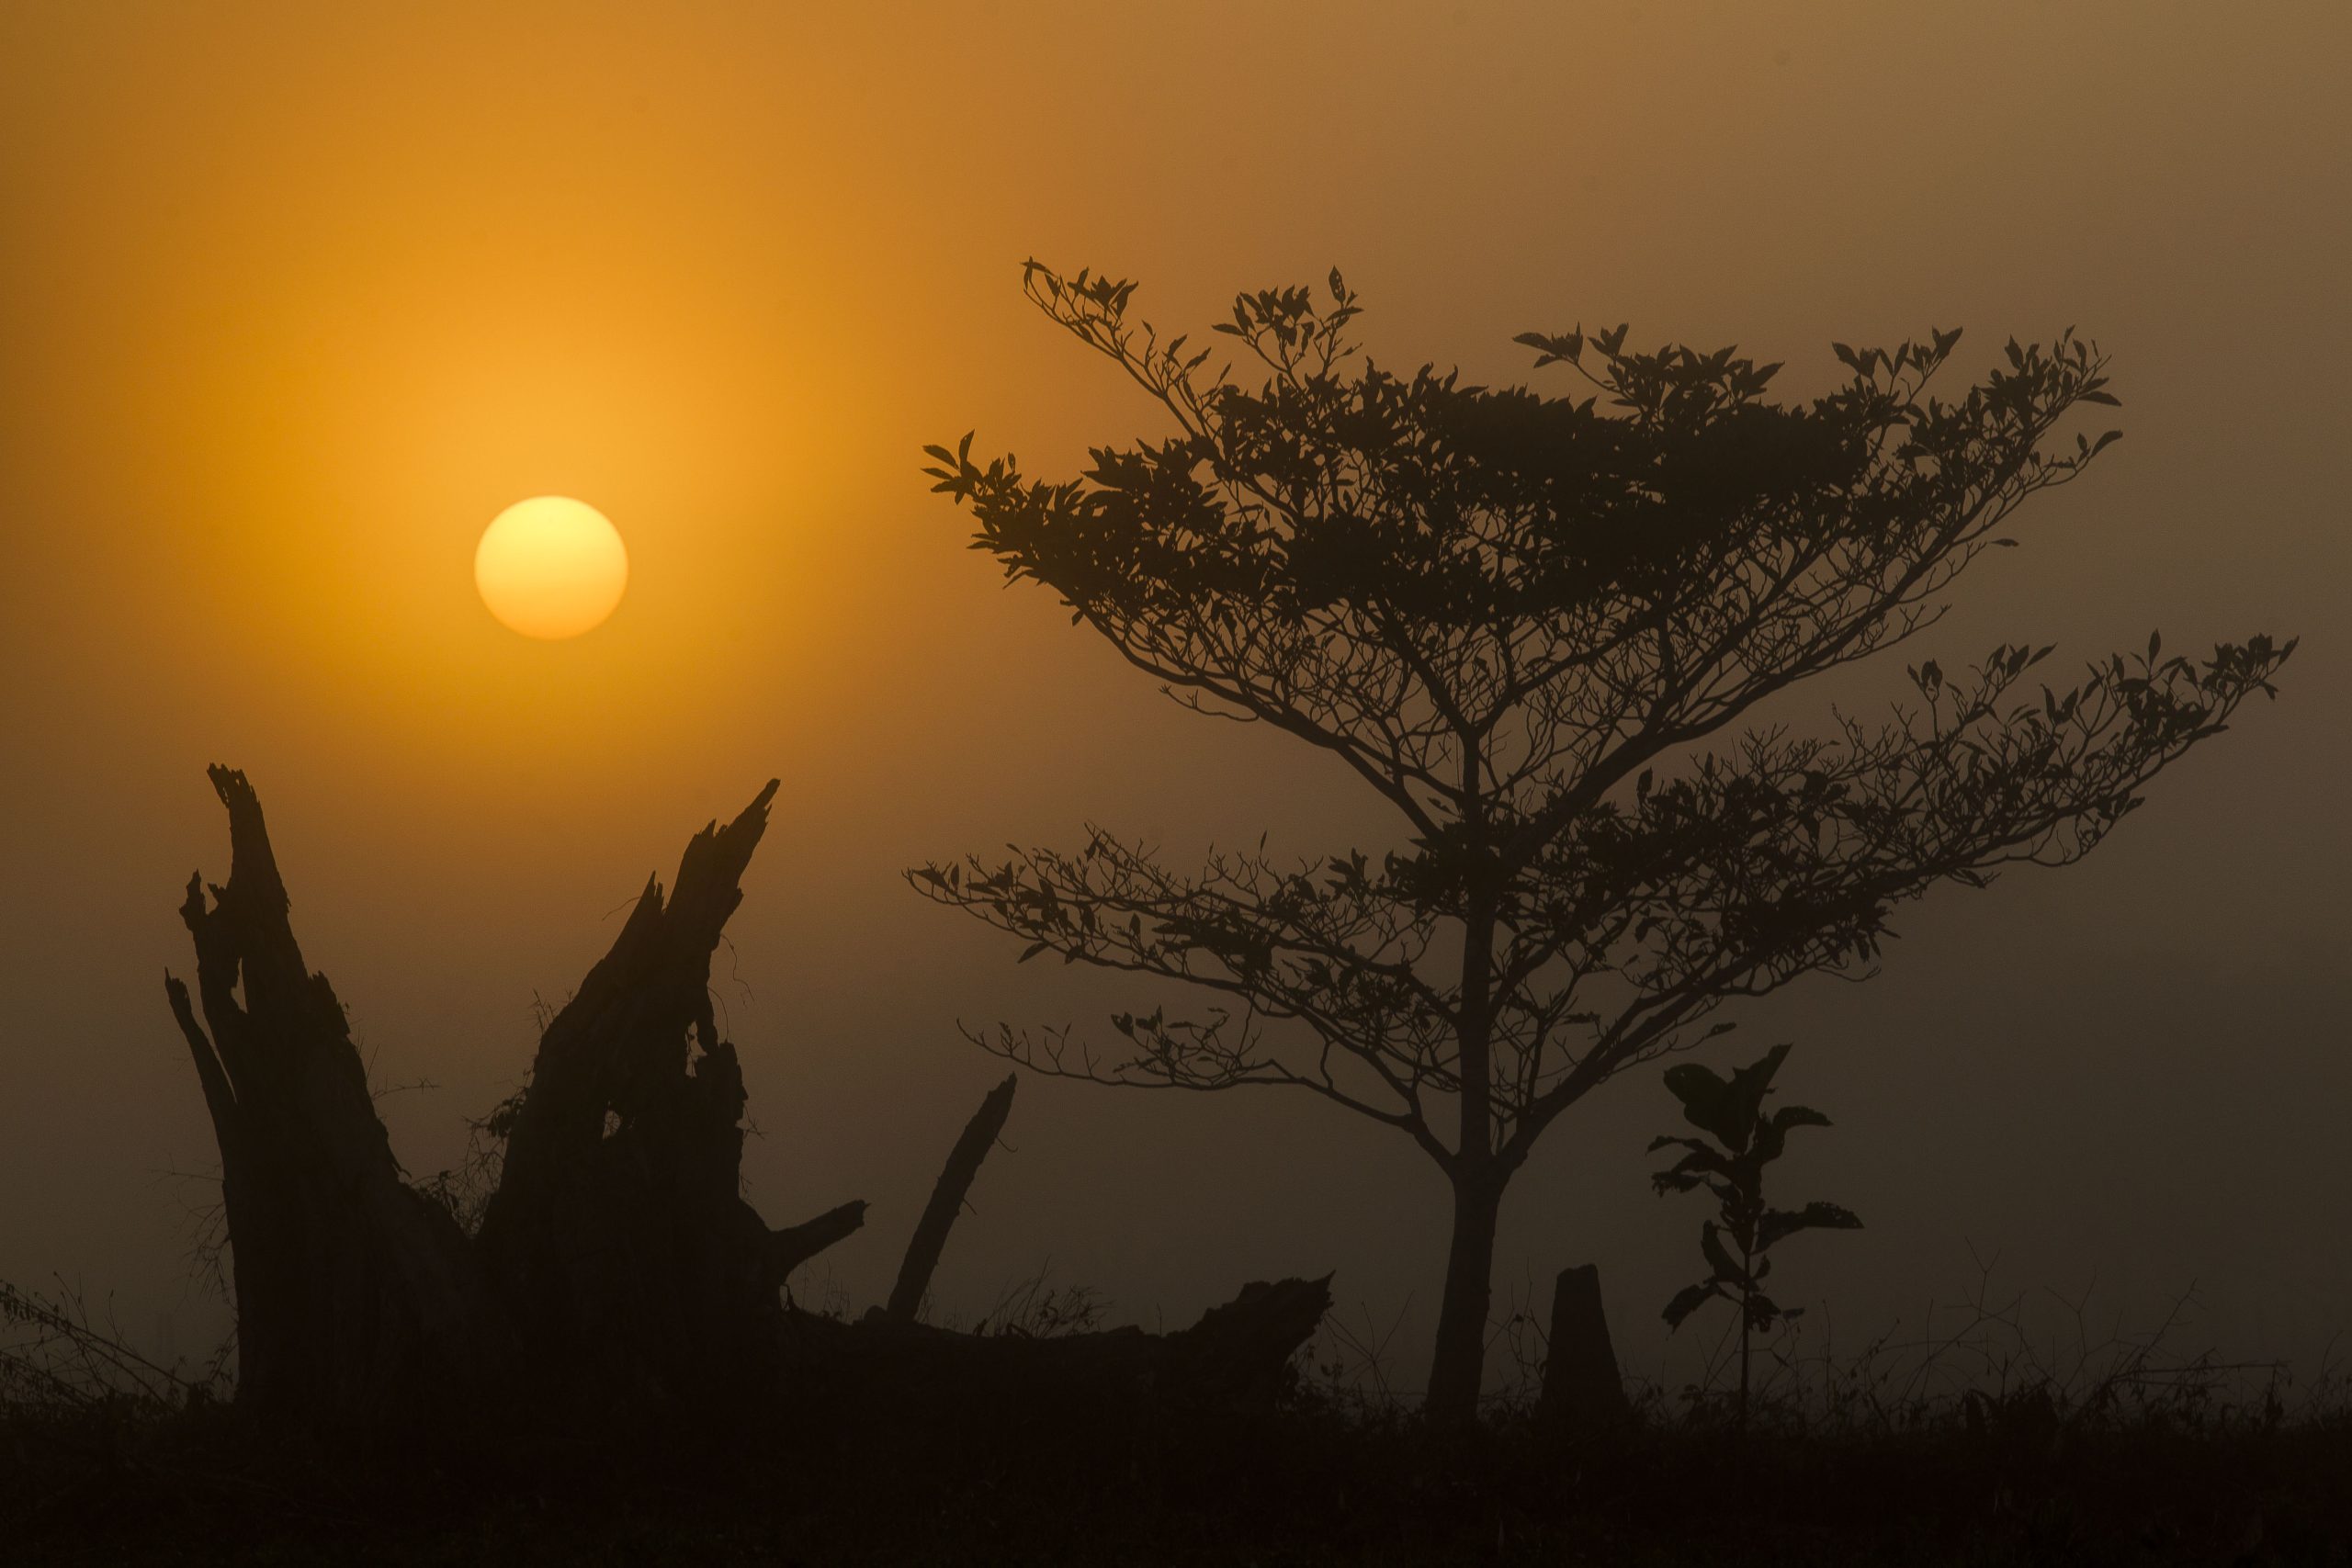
pixel 1519 620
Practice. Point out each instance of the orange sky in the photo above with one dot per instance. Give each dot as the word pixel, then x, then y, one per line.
pixel 294 298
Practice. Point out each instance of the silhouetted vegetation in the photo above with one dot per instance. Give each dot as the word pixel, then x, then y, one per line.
pixel 1985 1439
pixel 1533 626
pixel 1040 1435
pixel 1524 622
pixel 1738 1244
pixel 592 1268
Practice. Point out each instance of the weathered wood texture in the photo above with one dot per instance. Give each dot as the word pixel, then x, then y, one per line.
pixel 618 1269
pixel 356 1303
pixel 618 1238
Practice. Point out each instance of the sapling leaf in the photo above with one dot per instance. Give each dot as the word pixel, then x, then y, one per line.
pixel 1697 1156
pixel 1779 1222
pixel 1703 1097
pixel 1686 1300
pixel 1697 1088
pixel 1744 1096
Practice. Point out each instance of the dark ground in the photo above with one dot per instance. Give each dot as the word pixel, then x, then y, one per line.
pixel 1312 1485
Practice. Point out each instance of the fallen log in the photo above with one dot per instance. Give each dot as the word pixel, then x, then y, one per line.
pixel 1237 1358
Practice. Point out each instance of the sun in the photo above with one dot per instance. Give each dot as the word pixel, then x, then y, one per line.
pixel 551 567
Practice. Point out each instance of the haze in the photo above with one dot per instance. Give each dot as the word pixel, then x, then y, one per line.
pixel 296 298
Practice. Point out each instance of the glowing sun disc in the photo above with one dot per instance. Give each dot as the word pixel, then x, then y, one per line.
pixel 551 567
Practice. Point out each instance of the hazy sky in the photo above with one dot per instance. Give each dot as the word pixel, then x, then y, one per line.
pixel 294 298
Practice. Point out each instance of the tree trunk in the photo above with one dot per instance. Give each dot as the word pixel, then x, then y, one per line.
pixel 1457 1370
pixel 356 1304
pixel 1458 1364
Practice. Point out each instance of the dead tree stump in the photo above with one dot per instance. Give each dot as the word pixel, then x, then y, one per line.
pixel 1582 1390
pixel 356 1304
pixel 618 1269
pixel 618 1239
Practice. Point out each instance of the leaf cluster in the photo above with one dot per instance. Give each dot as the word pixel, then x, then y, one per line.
pixel 1538 627
pixel 1741 1141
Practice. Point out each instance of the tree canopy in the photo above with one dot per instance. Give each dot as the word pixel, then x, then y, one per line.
pixel 1532 624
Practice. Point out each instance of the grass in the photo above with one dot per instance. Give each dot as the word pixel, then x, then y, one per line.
pixel 1988 1442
